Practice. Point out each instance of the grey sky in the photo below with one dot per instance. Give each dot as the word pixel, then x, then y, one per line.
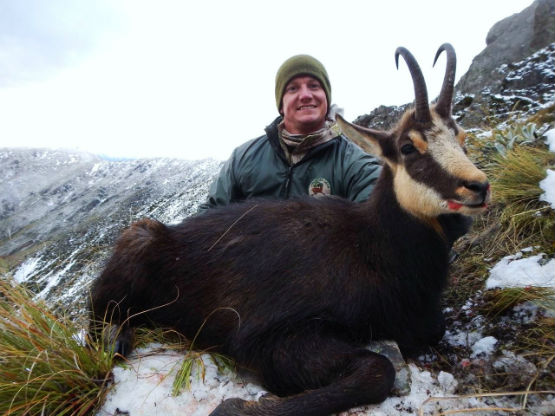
pixel 137 78
pixel 39 37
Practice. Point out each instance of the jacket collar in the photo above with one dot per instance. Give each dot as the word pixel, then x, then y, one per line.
pixel 273 138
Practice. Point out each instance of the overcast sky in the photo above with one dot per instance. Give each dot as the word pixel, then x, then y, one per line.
pixel 194 79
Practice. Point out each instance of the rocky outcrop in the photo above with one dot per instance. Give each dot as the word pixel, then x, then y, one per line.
pixel 510 40
pixel 522 89
pixel 513 75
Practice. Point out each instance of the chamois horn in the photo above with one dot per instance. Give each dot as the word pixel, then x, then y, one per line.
pixel 443 106
pixel 422 109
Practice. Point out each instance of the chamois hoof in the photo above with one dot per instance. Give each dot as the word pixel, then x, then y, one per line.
pixel 232 407
pixel 119 340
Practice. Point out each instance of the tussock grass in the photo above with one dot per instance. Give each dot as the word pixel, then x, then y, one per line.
pixel 545 115
pixel 499 301
pixel 45 366
pixel 515 178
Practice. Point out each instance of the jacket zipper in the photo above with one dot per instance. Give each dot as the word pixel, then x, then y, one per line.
pixel 288 181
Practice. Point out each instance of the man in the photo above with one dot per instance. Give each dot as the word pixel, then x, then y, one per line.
pixel 303 151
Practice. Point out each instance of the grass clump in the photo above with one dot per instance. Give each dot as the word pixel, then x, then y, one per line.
pixel 515 178
pixel 45 367
pixel 193 359
pixel 499 301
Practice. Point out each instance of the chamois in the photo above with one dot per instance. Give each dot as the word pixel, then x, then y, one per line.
pixel 294 290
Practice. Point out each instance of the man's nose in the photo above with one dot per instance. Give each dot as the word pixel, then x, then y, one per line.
pixel 304 92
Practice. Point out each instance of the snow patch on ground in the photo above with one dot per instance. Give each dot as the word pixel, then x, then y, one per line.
pixel 26 269
pixel 483 347
pixel 548 186
pixel 515 271
pixel 424 385
pixel 143 388
pixel 550 139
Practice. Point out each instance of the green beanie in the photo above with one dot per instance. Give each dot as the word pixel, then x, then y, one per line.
pixel 301 65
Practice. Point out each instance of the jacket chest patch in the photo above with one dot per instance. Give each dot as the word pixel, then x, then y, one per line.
pixel 319 186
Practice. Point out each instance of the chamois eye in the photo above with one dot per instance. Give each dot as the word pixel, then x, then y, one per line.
pixel 407 149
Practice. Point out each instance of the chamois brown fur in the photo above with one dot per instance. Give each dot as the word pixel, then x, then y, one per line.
pixel 293 290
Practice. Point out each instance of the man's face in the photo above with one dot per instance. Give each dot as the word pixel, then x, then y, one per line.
pixel 304 105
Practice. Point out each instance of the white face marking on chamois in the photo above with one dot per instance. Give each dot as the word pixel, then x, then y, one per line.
pixel 446 149
pixel 415 197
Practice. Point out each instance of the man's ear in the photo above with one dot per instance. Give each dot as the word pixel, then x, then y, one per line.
pixel 368 139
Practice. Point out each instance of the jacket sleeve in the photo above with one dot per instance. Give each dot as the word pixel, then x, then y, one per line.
pixel 361 173
pixel 225 188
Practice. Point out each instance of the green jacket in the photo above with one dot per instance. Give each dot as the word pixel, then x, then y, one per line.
pixel 259 168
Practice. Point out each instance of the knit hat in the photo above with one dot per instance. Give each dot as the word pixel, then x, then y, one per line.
pixel 301 65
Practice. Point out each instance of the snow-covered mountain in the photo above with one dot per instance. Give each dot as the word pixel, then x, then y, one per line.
pixel 61 211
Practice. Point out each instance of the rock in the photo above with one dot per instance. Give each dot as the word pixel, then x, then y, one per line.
pixel 510 40
pixel 402 372
pixel 383 117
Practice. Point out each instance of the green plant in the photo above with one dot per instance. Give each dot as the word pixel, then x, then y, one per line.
pixel 194 359
pixel 505 140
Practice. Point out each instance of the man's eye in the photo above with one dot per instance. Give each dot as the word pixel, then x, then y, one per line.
pixel 291 89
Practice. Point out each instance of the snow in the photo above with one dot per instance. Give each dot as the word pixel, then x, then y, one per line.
pixel 462 338
pixel 26 269
pixel 550 139
pixel 548 185
pixel 143 387
pixel 483 347
pixel 515 271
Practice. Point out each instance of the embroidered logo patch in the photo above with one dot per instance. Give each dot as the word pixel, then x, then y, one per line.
pixel 319 186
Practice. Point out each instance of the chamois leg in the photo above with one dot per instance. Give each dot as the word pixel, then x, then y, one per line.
pixel 316 376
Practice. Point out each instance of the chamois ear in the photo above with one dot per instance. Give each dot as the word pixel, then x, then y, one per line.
pixel 368 139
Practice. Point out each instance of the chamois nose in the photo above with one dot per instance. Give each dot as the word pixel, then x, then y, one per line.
pixel 480 188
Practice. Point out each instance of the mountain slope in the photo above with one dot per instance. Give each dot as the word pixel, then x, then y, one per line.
pixel 61 211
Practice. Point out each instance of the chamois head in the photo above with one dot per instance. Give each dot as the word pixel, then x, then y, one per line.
pixel 425 151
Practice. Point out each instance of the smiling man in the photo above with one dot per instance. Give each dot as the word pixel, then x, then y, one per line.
pixel 303 151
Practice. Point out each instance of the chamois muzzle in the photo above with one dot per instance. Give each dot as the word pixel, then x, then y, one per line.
pixel 472 197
